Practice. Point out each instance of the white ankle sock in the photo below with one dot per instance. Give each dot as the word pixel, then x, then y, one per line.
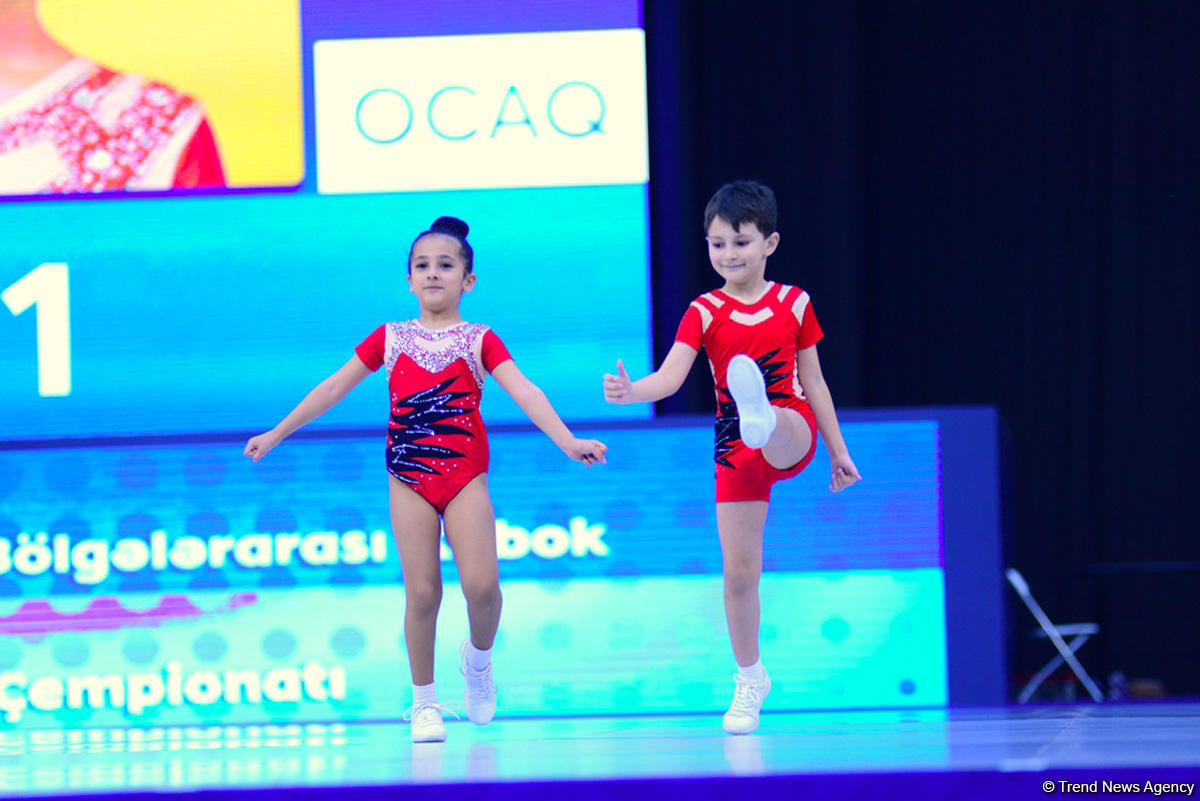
pixel 755 672
pixel 425 693
pixel 478 658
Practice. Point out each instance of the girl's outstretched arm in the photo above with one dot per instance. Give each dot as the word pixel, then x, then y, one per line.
pixel 537 407
pixel 663 382
pixel 808 367
pixel 322 397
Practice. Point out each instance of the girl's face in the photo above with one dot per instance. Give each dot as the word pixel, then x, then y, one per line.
pixel 437 274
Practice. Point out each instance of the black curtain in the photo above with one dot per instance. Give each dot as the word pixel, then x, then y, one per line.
pixel 990 203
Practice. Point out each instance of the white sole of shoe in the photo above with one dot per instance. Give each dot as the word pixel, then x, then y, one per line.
pixel 739 728
pixel 434 737
pixel 756 417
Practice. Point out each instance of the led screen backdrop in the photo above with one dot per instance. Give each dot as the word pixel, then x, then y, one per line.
pixel 169 589
pixel 152 307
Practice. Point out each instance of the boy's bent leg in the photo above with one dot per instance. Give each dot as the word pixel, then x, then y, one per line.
pixel 783 435
pixel 417 532
pixel 791 440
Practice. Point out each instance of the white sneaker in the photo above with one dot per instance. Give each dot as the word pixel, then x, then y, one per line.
pixel 742 717
pixel 427 726
pixel 480 697
pixel 756 416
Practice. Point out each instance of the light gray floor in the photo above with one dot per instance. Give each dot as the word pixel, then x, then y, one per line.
pixel 1004 739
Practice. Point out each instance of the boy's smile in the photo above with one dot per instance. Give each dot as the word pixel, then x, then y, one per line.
pixel 739 256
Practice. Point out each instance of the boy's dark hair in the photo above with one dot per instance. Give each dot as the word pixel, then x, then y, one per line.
pixel 743 202
pixel 455 229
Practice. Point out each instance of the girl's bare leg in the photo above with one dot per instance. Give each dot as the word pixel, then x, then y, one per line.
pixel 418 532
pixel 471 532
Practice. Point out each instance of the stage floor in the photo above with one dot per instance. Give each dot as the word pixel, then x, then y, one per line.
pixel 1156 742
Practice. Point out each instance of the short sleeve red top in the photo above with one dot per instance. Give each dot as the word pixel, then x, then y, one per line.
pixel 772 330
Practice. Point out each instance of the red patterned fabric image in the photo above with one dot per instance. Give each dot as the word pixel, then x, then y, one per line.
pixel 70 125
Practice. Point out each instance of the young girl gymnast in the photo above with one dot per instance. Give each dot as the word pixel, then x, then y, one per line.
pixel 761 339
pixel 437 459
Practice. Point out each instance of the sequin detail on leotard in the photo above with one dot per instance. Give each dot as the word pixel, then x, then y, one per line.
pixel 425 346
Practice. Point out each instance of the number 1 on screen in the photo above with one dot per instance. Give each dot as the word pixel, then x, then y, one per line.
pixel 47 288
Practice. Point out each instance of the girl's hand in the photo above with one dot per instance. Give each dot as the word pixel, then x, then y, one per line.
pixel 588 451
pixel 844 473
pixel 618 388
pixel 260 446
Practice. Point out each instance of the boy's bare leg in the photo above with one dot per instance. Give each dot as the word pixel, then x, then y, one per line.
pixel 790 441
pixel 417 531
pixel 740 525
pixel 740 528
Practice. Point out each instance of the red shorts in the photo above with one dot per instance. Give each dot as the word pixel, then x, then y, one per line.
pixel 748 476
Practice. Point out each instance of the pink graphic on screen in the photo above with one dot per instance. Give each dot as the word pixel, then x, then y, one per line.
pixel 35 619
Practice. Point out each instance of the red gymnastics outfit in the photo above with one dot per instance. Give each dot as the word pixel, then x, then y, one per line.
pixel 771 331
pixel 436 440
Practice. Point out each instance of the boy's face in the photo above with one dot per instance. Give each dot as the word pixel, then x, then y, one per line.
pixel 740 257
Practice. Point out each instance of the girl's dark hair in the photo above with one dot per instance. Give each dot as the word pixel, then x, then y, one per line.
pixel 455 229
pixel 743 202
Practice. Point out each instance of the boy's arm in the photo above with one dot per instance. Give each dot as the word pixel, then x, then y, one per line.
pixel 322 397
pixel 808 367
pixel 663 382
pixel 537 407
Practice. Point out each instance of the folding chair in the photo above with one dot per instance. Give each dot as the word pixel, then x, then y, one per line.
pixel 1078 632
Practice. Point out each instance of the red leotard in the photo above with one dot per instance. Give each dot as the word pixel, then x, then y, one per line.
pixel 772 330
pixel 436 440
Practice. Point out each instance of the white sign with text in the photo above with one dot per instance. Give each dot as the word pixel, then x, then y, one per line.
pixel 469 112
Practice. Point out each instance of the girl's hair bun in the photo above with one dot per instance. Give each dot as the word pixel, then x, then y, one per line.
pixel 450 225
